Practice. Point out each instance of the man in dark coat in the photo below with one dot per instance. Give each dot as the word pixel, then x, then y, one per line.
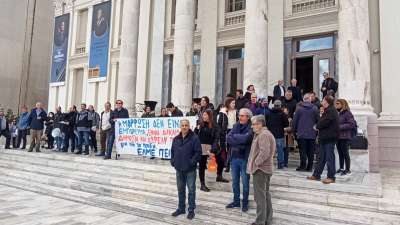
pixel 305 118
pixel 329 85
pixel 36 119
pixel 185 154
pixel 295 90
pixel 277 122
pixel 4 128
pixel 279 90
pixel 328 127
pixel 118 113
pixel 290 103
pixel 175 112
pixel 68 129
pixel 241 101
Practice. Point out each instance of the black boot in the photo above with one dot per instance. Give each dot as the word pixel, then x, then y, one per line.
pixel 222 180
pixel 204 188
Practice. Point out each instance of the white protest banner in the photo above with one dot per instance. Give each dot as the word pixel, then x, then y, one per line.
pixel 150 137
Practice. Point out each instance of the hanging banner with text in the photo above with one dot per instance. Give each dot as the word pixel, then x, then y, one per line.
pixel 60 49
pixel 150 137
pixel 100 38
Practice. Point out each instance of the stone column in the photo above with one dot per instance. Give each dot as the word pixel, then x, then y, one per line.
pixel 128 54
pixel 354 55
pixel 183 54
pixel 354 59
pixel 256 46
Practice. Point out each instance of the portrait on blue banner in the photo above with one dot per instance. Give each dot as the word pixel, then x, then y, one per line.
pixel 100 38
pixel 60 49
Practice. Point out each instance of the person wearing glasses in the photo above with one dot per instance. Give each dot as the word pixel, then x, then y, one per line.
pixel 118 113
pixel 239 139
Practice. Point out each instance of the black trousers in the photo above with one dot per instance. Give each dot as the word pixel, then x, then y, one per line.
pixel 93 140
pixel 220 162
pixel 6 134
pixel 202 169
pixel 307 147
pixel 69 136
pixel 344 155
pixel 22 137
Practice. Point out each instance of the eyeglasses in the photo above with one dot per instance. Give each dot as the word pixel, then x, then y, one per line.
pixel 118 103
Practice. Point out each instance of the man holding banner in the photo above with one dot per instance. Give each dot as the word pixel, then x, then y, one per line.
pixel 185 154
pixel 118 113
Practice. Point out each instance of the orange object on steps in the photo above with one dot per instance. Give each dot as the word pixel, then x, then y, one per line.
pixel 212 164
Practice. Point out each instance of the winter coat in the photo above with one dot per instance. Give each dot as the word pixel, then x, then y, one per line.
pixel 241 102
pixel 177 113
pixel 265 111
pixel 276 123
pixel 262 152
pixel 278 92
pixel 185 152
pixel 296 93
pixel 329 84
pixel 49 125
pixel 346 125
pixel 69 122
pixel 36 122
pixel 328 126
pixel 23 122
pixel 239 139
pixel 305 118
pixel 115 114
pixel 290 105
pixel 222 122
pixel 208 136
pixel 3 124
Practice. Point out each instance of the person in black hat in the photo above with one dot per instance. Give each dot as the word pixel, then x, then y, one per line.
pixel 194 110
pixel 149 109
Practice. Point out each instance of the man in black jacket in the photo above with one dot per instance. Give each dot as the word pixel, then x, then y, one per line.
pixel 290 103
pixel 68 129
pixel 329 85
pixel 118 113
pixel 279 91
pixel 185 154
pixel 277 121
pixel 328 127
pixel 4 128
pixel 36 119
pixel 295 90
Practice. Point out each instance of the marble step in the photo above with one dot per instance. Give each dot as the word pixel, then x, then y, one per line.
pixel 148 211
pixel 334 214
pixel 124 181
pixel 158 169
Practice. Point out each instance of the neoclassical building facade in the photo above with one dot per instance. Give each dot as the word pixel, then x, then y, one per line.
pixel 174 50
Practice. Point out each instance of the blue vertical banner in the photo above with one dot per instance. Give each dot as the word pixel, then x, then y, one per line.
pixel 60 49
pixel 100 39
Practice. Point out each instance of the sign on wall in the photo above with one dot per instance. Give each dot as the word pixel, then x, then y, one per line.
pixel 150 137
pixel 60 49
pixel 100 39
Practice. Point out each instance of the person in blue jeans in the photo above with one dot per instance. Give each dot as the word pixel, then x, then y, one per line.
pixel 328 128
pixel 84 123
pixel 277 121
pixel 185 154
pixel 118 113
pixel 239 139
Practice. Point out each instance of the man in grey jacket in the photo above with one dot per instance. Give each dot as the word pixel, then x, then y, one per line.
pixel 261 165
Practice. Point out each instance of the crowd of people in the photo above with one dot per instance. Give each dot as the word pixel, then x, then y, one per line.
pixel 243 134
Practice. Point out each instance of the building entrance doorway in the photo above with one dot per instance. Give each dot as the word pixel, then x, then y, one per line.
pixel 305 74
pixel 233 76
pixel 312 57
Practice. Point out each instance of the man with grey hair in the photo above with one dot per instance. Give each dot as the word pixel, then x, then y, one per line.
pixel 239 139
pixel 261 165
pixel 185 154
pixel 305 118
pixel 36 120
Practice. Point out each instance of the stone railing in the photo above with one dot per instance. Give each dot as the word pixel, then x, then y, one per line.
pixel 80 50
pixel 235 18
pixel 300 6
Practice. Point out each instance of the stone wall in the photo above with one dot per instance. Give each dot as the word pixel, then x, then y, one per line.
pixel 25 45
